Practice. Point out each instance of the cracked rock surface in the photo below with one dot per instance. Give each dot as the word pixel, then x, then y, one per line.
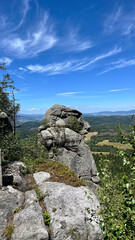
pixel 10 199
pixel 73 212
pixel 29 223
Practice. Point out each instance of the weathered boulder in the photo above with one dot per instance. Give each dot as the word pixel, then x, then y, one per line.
pixel 14 169
pixel 66 145
pixel 10 199
pixel 60 112
pixel 29 223
pixel 5 125
pixel 73 212
pixel 58 115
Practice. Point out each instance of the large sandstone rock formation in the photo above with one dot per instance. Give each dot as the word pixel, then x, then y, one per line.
pixel 66 145
pixel 58 115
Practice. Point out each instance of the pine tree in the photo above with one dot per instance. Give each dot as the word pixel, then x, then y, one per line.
pixel 7 97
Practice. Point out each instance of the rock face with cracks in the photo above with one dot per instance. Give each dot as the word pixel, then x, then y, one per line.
pixel 67 145
pixel 29 223
pixel 10 199
pixel 73 212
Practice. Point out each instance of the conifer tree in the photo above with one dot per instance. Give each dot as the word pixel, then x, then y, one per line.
pixel 7 96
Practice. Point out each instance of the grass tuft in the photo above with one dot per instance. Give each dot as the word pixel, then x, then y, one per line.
pixel 8 231
pixel 61 173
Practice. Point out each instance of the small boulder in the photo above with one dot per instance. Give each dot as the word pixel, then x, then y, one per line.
pixel 14 169
pixel 41 177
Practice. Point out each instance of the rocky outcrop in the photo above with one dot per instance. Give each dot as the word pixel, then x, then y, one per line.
pixel 66 145
pixel 73 212
pixel 5 125
pixel 10 199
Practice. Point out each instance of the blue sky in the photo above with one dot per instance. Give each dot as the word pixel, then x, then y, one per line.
pixel 77 53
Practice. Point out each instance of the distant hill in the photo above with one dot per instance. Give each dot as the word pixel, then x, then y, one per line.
pixel 110 113
pixel 22 118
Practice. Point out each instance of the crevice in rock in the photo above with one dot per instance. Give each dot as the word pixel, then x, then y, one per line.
pixel 9 229
pixel 41 197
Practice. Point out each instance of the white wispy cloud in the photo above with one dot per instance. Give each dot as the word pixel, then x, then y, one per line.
pixel 73 42
pixel 114 51
pixel 119 90
pixel 22 69
pixel 69 66
pixel 24 10
pixel 78 95
pixel 6 60
pixel 119 64
pixel 38 37
pixel 56 68
pixel 32 109
pixel 121 21
pixel 69 93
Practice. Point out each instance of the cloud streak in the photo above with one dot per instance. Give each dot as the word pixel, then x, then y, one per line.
pixel 114 51
pixel 73 43
pixel 121 22
pixel 119 90
pixel 69 66
pixel 32 109
pixel 68 94
pixel 119 64
pixel 26 7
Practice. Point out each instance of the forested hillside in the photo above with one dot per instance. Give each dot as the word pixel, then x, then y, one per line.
pixel 104 125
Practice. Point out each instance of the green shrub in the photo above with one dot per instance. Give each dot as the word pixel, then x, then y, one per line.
pixel 74 124
pixel 32 149
pixel 11 147
pixel 117 195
